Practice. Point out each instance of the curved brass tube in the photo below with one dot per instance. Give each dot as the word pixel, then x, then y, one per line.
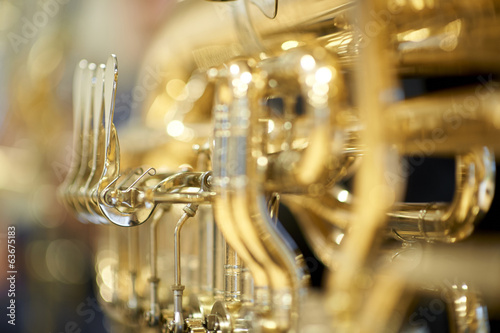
pixel 240 206
pixel 88 75
pixel 474 191
pixel 82 175
pixel 177 288
pixel 225 178
pixel 77 132
pixel 447 37
pixel 317 77
pixel 337 212
pixel 111 170
pixel 475 185
pixel 133 263
pixel 376 89
pixel 152 316
pixel 429 266
pixel 467 311
pixel 321 86
pixel 93 212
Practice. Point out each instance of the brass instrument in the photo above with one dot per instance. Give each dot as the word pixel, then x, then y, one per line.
pixel 263 104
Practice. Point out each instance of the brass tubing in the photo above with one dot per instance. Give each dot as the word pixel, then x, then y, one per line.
pixel 224 214
pixel 177 242
pixel 376 89
pixel 466 309
pixel 93 213
pixel 233 267
pixel 77 133
pixel 438 38
pixel 198 198
pixel 86 140
pixel 219 265
pixel 240 206
pixel 316 77
pixel 183 187
pixel 446 123
pixel 322 236
pixel 475 184
pixel 225 31
pixel 328 206
pixel 133 263
pixel 273 205
pixel 436 221
pixel 247 296
pixel 153 315
pixel 459 274
pixel 206 253
pixel 115 249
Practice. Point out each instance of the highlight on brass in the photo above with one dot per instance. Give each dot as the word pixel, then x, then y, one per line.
pixel 285 135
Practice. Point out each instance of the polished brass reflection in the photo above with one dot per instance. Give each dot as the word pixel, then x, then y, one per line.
pixel 268 103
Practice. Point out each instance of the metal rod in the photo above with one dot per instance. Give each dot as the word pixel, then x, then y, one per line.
pixel 133 247
pixel 475 186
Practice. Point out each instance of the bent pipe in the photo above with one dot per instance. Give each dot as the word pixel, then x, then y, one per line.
pixel 316 76
pixel 328 207
pixel 475 184
pixel 77 133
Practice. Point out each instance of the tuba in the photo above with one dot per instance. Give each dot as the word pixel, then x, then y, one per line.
pixel 266 106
